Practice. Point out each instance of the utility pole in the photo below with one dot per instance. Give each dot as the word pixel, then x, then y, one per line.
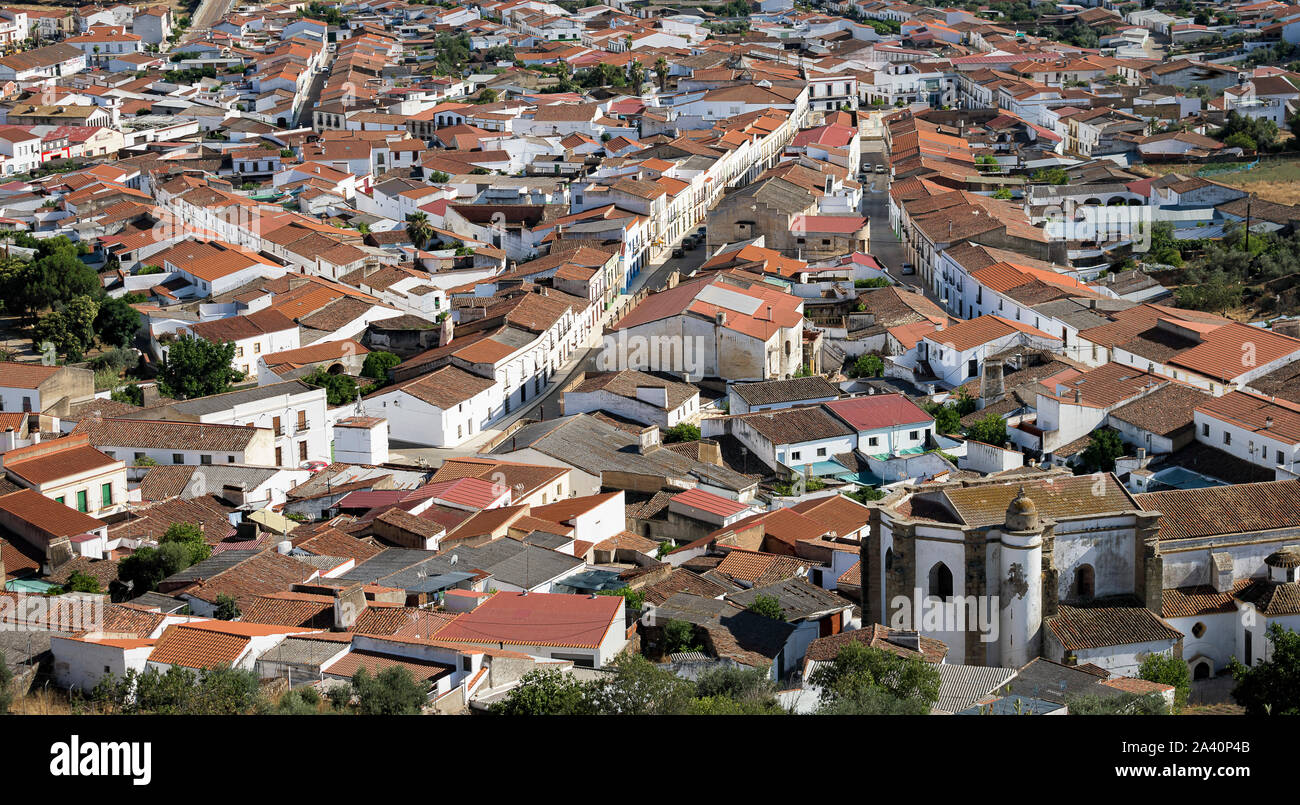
pixel 1249 199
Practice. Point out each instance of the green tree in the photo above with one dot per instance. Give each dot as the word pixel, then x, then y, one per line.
pixel 636 75
pixel 661 72
pixel 80 582
pixel 438 177
pixel 116 322
pixel 683 432
pixel 227 608
pixel 378 363
pixel 488 95
pixel 768 607
pixel 1104 446
pixel 210 691
pixel 197 368
pixel 992 429
pixel 867 366
pixel 339 389
pixel 191 537
pixel 546 692
pixel 1242 140
pixel 679 637
pixel 1167 669
pixel 633 599
pixel 946 418
pixel 1050 176
pixel 140 572
pixel 393 692
pixel 861 676
pixel 1128 704
pixel 1215 291
pixel 1271 686
pixel 418 229
pixel 70 327
pixel 639 688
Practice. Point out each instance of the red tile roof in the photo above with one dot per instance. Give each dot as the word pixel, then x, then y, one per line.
pixel 709 502
pixel 538 619
pixel 875 411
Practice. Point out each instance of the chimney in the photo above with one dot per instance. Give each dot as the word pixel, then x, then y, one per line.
pixel 349 603
pixel 991 385
pixel 149 395
pixel 709 452
pixel 1078 396
pixel 648 439
pixel 446 330
pixel 909 640
pixel 1268 422
pixel 235 494
pixel 721 318
pixel 1141 455
pixel 654 395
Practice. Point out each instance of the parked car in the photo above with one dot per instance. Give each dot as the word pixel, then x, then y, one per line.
pixel 908 268
pixel 679 252
pixel 880 169
pixel 701 232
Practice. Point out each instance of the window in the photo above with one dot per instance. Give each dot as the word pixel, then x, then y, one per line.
pixel 941 581
pixel 794 455
pixel 1205 428
pixel 139 456
pixel 1084 582
pixel 1279 457
pixel 914 435
pixel 302 451
pixel 279 457
pixel 205 459
pixel 821 451
pixel 275 423
pixel 177 458
pixel 82 503
pixel 230 459
pixel 62 499
pixel 239 352
pixel 873 441
pixel 1249 652
pixel 257 347
pixel 1227 437
pixel 302 420
pixel 1198 630
pixel 106 493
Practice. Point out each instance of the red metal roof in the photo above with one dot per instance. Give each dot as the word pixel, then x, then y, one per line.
pixel 875 411
pixel 709 502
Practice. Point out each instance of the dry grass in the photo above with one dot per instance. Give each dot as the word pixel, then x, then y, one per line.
pixel 44 701
pixel 174 4
pixel 1276 180
pixel 1221 709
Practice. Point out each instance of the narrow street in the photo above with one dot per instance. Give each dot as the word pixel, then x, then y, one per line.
pixel 208 13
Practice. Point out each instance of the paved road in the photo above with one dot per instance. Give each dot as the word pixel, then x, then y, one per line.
pixel 885 245
pixel 313 95
pixel 208 14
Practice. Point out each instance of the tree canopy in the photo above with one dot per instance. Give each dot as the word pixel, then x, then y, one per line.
pixel 197 368
pixel 1270 686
